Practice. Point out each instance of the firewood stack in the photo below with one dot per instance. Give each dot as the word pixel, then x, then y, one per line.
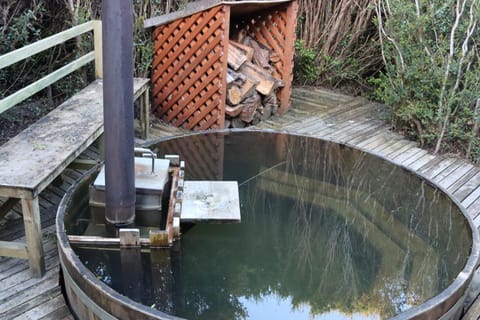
pixel 251 87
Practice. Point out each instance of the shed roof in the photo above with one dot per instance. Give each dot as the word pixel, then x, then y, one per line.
pixel 238 7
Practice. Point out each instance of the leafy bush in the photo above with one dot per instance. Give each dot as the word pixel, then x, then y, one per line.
pixel 306 70
pixel 432 73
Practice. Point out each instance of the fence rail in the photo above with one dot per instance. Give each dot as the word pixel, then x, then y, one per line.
pixel 44 44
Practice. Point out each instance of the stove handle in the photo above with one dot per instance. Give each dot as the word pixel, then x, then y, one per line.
pixel 145 153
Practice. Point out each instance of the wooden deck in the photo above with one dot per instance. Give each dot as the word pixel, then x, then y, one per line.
pixel 321 113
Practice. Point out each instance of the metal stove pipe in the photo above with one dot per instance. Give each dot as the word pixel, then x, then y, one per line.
pixel 117 29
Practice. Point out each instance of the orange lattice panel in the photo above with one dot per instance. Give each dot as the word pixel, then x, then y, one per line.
pixel 275 29
pixel 189 69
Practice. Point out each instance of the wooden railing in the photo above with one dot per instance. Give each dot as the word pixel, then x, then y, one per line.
pixel 44 44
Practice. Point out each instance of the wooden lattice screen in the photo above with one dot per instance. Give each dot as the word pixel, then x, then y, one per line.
pixel 189 69
pixel 190 61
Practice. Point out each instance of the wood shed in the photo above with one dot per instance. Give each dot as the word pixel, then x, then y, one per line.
pixel 189 66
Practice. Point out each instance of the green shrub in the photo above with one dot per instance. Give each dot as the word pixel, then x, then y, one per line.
pixel 432 73
pixel 306 69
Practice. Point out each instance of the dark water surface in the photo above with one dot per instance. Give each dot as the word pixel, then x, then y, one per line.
pixel 327 232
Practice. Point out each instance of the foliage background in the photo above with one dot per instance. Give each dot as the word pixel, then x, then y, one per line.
pixel 431 74
pixel 419 57
pixel 23 22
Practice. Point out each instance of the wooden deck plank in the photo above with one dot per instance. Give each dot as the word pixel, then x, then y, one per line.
pixel 463 182
pixel 7 263
pixel 345 115
pixel 54 307
pixel 299 125
pixel 425 160
pixel 331 115
pixel 308 105
pixel 474 211
pixel 392 140
pixel 345 130
pixel 471 298
pixel 21 280
pixel 412 153
pixel 355 112
pixel 473 311
pixel 62 312
pixel 468 187
pixel 293 122
pixel 350 133
pixel 472 197
pixel 433 171
pixel 454 173
pixel 372 130
pixel 377 142
pixel 25 300
pixel 433 163
pixel 392 154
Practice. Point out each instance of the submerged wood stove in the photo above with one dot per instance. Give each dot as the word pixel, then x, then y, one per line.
pixel 164 201
pixel 136 201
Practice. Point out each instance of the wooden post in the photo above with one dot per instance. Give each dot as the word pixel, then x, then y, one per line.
pixel 145 113
pixel 224 47
pixel 132 271
pixel 162 275
pixel 289 47
pixel 129 237
pixel 97 45
pixel 33 235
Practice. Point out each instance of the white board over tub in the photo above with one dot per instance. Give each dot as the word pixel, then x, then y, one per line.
pixel 210 201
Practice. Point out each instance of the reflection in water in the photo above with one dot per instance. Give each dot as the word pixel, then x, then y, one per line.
pixel 274 307
pixel 327 232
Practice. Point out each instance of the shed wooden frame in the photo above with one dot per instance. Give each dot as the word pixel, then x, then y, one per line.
pixel 189 66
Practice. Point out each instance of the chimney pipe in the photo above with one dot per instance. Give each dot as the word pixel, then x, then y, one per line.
pixel 117 29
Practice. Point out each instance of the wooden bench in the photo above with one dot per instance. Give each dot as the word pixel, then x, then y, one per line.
pixel 30 161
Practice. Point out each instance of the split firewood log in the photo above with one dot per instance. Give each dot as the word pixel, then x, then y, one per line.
pixel 250 105
pixel 234 95
pixel 246 50
pixel 233 111
pixel 261 55
pixel 266 82
pixel 272 101
pixel 247 88
pixel 234 77
pixel 238 123
pixel 235 57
